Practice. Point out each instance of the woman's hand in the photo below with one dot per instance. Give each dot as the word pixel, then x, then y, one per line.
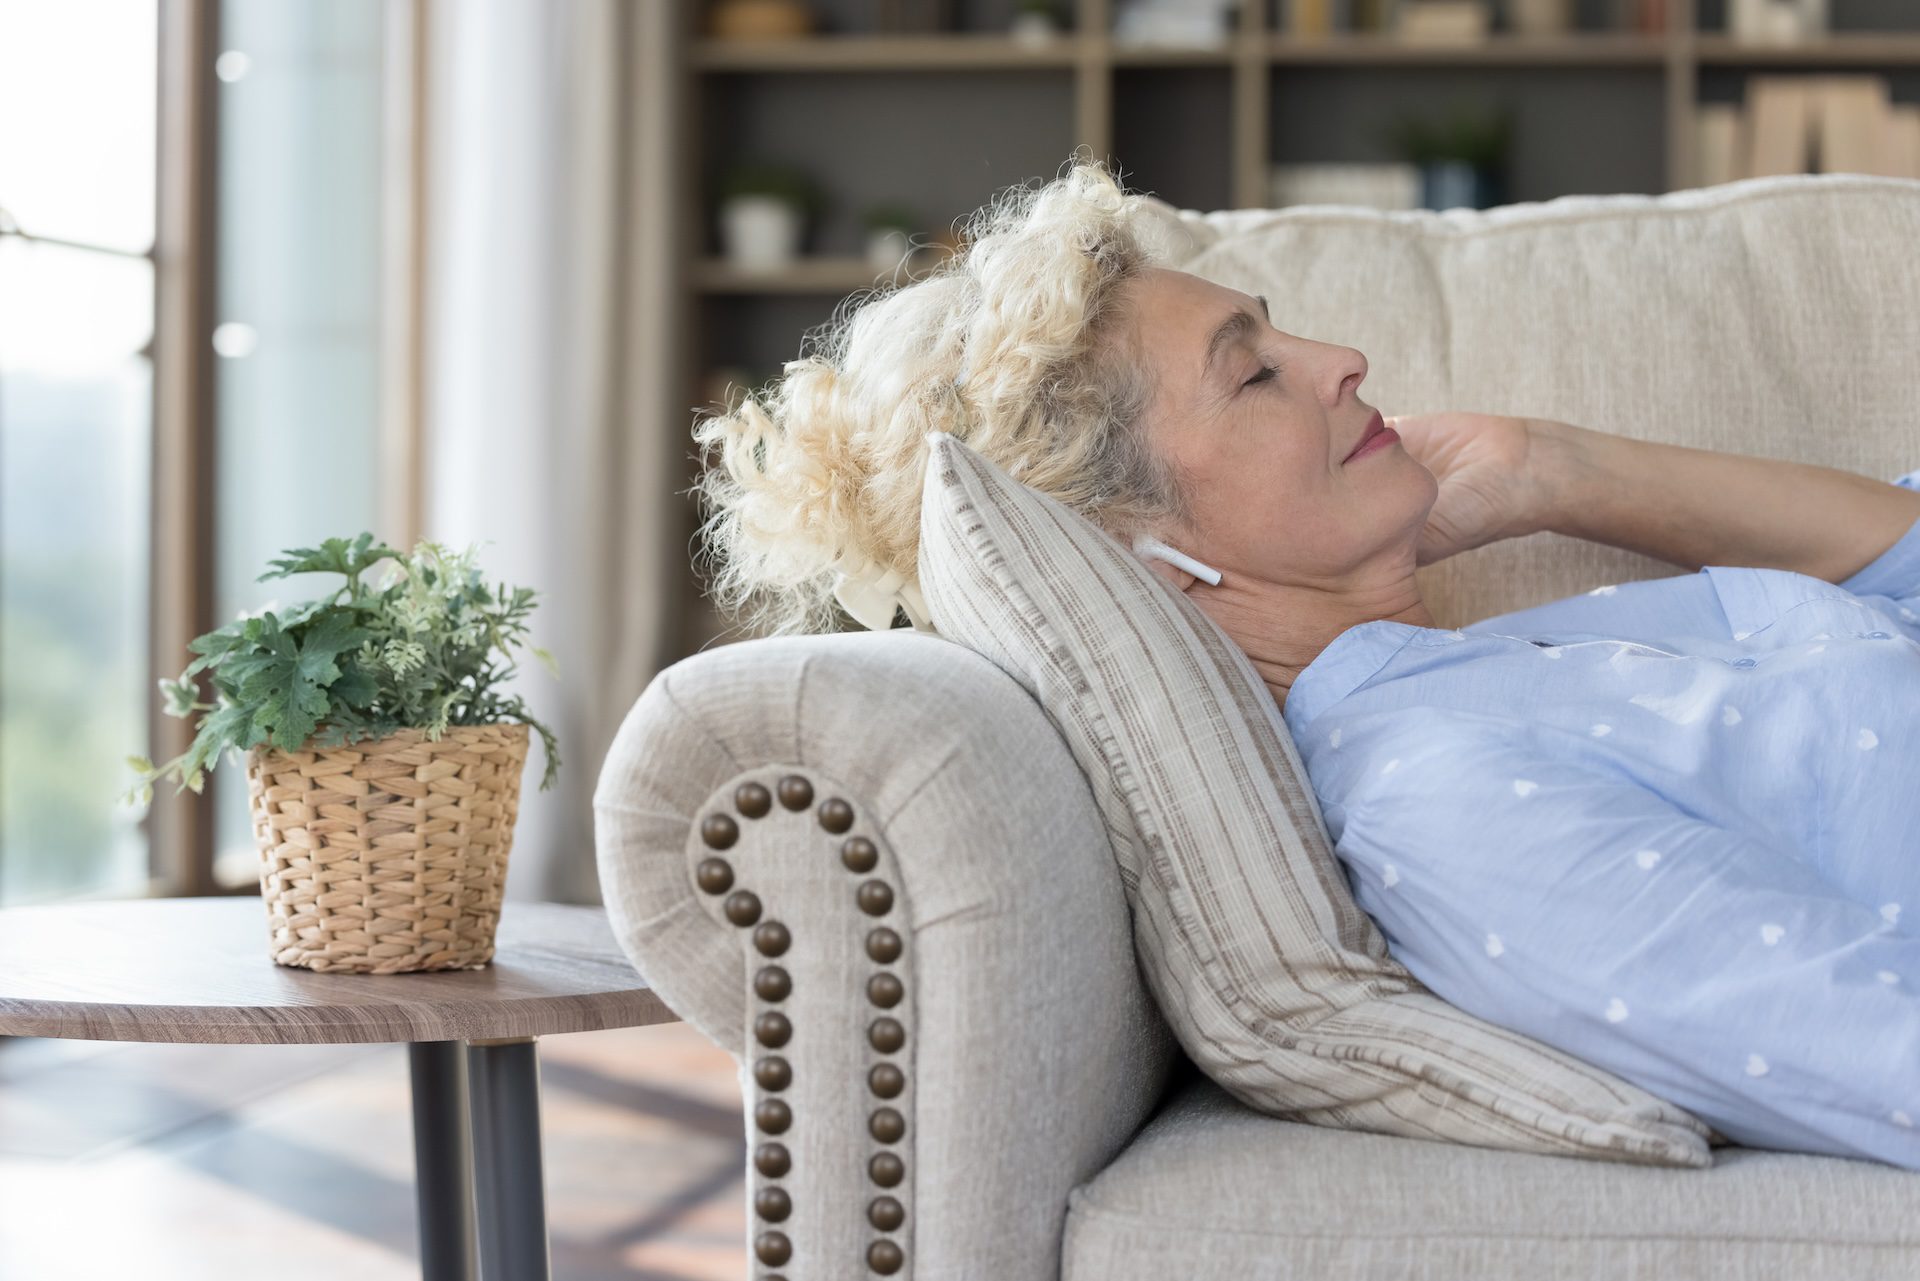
pixel 1490 471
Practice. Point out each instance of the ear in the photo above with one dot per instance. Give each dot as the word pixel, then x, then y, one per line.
pixel 1179 577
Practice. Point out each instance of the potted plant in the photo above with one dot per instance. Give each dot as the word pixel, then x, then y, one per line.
pixel 1035 23
pixel 1461 155
pixel 890 231
pixel 763 212
pixel 382 773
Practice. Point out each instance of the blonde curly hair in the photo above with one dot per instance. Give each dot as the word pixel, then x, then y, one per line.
pixel 1017 344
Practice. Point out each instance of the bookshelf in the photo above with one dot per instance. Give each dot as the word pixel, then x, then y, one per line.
pixel 944 120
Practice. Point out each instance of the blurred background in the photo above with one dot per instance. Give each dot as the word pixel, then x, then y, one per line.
pixel 273 271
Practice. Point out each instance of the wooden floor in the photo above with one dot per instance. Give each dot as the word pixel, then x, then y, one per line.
pixel 190 1162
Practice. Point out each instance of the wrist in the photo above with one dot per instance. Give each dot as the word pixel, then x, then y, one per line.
pixel 1554 454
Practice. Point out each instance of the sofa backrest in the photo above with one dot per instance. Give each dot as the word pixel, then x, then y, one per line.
pixel 1775 317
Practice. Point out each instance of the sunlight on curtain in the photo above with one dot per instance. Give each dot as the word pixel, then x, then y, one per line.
pixel 77 143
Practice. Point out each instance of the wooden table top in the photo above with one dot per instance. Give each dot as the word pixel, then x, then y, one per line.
pixel 198 970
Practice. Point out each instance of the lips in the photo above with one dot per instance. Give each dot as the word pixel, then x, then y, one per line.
pixel 1375 426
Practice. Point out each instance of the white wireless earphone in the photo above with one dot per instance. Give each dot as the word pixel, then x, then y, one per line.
pixel 1157 550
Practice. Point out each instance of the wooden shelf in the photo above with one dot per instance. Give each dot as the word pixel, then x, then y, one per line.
pixel 1586 49
pixel 818 275
pixel 959 52
pixel 1891 49
pixel 1125 55
pixel 956 52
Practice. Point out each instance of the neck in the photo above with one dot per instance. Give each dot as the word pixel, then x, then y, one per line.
pixel 1282 627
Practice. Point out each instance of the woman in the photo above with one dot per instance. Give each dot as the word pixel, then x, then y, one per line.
pixel 1668 826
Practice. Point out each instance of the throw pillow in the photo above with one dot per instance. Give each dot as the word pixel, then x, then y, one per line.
pixel 1275 982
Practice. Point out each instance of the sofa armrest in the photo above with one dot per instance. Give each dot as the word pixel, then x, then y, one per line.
pixel 766 808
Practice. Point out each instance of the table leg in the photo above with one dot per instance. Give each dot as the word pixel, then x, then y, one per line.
pixel 510 1192
pixel 442 1163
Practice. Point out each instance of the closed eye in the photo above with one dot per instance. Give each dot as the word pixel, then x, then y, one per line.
pixel 1266 372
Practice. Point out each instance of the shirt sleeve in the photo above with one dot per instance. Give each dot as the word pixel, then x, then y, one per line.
pixel 1895 573
pixel 1583 909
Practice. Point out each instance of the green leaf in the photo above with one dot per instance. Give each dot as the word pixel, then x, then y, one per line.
pixel 219 642
pixel 217 730
pixel 429 649
pixel 335 555
pixel 355 688
pixel 328 637
pixel 181 696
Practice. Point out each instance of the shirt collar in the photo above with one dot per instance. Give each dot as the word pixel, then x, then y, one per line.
pixel 1348 662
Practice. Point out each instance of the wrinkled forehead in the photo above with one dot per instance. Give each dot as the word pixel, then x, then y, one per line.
pixel 1174 317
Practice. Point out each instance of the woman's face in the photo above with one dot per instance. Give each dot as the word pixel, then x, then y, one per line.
pixel 1262 431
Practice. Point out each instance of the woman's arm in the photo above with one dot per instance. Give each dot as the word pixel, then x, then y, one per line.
pixel 1694 507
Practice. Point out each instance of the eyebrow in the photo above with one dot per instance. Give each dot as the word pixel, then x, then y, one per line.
pixel 1235 326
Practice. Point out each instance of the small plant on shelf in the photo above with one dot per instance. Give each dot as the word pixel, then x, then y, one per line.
pixel 764 209
pixel 890 231
pixel 1035 22
pixel 1461 153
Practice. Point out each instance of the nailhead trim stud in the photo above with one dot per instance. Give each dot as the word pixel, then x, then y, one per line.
pixel 773 1073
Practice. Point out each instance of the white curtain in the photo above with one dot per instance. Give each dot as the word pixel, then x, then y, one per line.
pixel 550 437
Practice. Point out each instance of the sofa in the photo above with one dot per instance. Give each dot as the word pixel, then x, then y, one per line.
pixel 1005 1100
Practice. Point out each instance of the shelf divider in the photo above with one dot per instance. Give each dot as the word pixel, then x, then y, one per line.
pixel 1252 102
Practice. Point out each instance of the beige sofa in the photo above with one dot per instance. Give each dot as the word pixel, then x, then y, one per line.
pixel 1044 1124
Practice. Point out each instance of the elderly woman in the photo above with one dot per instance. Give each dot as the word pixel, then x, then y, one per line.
pixel 1669 826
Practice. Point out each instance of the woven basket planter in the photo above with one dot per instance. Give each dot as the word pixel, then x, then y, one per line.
pixel 387 855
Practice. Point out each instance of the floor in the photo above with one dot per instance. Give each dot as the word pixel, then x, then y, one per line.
pixel 193 1162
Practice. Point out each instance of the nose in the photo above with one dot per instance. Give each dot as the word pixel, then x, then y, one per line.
pixel 1346 370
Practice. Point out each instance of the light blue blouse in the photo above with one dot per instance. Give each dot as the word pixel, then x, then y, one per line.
pixel 1671 827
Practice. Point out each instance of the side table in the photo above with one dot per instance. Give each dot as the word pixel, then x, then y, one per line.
pixel 198 970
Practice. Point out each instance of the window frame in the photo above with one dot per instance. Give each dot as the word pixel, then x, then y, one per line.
pixel 182 829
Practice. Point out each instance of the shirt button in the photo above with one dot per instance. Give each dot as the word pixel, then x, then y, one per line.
pixel 1743 662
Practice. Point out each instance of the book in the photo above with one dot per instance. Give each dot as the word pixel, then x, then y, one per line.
pixel 1309 17
pixel 1443 21
pixel 1719 150
pixel 1899 152
pixel 1852 114
pixel 1374 186
pixel 1371 15
pixel 1779 125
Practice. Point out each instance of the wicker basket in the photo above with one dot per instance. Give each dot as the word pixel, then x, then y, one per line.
pixel 387 855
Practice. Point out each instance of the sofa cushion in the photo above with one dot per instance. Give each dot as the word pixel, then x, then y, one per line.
pixel 1211 1188
pixel 1275 982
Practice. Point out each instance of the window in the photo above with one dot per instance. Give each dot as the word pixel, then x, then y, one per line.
pixel 77 147
pixel 131 509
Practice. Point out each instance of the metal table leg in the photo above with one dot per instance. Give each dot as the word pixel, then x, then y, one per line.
pixel 442 1163
pixel 504 1077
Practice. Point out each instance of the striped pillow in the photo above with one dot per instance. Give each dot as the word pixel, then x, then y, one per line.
pixel 1279 987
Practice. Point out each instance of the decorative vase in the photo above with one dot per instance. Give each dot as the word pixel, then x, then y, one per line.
pixel 761 233
pixel 1453 184
pixel 1032 29
pixel 887 248
pixel 387 855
